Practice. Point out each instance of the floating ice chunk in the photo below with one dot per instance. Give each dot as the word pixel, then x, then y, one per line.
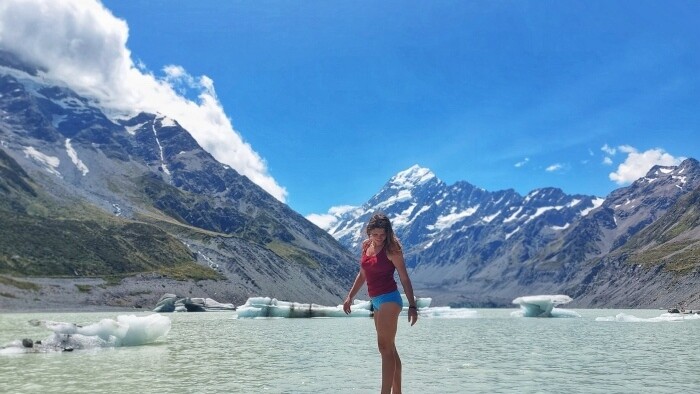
pixel 446 312
pixel 104 329
pixel 256 307
pixel 664 317
pixel 127 330
pixel 543 306
pixel 143 329
pixel 270 307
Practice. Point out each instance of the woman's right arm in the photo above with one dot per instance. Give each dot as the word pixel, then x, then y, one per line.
pixel 359 281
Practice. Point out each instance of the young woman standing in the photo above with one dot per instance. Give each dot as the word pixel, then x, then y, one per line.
pixel 381 256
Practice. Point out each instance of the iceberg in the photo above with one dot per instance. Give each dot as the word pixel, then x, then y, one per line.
pixel 126 330
pixel 543 306
pixel 173 303
pixel 664 317
pixel 261 307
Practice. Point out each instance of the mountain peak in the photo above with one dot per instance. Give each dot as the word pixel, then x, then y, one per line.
pixel 411 177
pixel 686 166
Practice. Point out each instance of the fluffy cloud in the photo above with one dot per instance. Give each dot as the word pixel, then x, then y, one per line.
pixel 637 164
pixel 324 221
pixel 327 220
pixel 80 43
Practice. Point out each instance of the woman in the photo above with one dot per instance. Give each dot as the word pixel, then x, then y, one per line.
pixel 381 256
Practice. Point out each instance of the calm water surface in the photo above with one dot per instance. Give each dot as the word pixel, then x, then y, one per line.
pixel 491 353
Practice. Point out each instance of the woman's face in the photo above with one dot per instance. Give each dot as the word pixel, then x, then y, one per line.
pixel 377 235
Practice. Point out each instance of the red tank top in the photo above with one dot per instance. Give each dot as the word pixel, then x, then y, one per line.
pixel 379 273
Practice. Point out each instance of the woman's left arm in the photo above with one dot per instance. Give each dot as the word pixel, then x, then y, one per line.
pixel 398 261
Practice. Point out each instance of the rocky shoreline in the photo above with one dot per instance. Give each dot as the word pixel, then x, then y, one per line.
pixel 140 292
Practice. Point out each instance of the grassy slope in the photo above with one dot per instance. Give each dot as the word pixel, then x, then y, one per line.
pixel 39 237
pixel 666 241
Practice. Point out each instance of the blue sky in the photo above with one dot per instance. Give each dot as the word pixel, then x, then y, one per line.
pixel 337 96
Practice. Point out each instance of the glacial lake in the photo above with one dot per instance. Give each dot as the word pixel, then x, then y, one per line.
pixel 482 351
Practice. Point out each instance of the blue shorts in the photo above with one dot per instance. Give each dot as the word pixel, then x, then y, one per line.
pixel 394 296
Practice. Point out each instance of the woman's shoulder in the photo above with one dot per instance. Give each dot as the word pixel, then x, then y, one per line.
pixel 391 253
pixel 365 245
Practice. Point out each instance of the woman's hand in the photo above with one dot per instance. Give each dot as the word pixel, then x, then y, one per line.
pixel 346 306
pixel 412 315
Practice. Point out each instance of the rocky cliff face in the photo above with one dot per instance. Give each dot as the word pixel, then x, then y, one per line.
pixel 468 246
pixel 136 197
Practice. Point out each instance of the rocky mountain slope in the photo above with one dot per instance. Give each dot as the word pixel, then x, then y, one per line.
pixel 468 246
pixel 117 210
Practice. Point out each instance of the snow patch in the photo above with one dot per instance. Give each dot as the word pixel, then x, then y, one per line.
pixel 74 157
pixel 513 216
pixel 132 129
pixel 162 157
pixel 403 195
pixel 596 203
pixel 510 234
pixel 402 219
pixel 50 163
pixel 447 221
pixel 573 202
pixel 541 211
pixel 488 219
pixel 167 122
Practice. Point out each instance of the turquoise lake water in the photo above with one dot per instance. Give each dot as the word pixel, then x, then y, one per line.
pixel 484 351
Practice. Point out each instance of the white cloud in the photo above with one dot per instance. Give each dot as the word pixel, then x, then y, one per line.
pixel 522 163
pixel 341 209
pixel 608 150
pixel 638 164
pixel 554 167
pixel 327 220
pixel 80 43
pixel 324 221
pixel 607 161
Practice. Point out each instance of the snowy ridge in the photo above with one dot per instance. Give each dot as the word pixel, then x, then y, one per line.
pixel 425 210
pixel 462 241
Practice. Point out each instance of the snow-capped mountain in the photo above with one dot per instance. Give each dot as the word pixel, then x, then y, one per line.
pixel 426 212
pixel 134 195
pixel 468 246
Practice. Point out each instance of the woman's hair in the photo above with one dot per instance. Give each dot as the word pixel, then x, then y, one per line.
pixel 379 220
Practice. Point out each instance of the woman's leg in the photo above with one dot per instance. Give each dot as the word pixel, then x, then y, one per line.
pixel 386 321
pixel 396 386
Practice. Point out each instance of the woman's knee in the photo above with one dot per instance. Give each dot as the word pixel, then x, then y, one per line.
pixel 386 346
